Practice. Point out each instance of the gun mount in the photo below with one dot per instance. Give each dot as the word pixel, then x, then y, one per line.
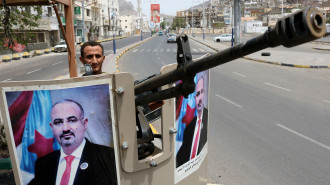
pixel 295 29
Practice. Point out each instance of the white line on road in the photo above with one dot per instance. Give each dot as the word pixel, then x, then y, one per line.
pixel 174 50
pixel 326 101
pixel 229 101
pixel 6 80
pixel 33 71
pixel 278 87
pixel 303 136
pixel 195 50
pixel 141 50
pixel 57 63
pixel 148 50
pixel 238 74
pixel 161 50
pixel 155 50
pixel 134 50
pixel 164 63
pixel 108 51
pixel 202 50
pixel 168 50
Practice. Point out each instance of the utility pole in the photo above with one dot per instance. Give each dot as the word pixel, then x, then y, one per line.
pixel 192 17
pixel 140 15
pixel 237 21
pixel 83 20
pixel 203 23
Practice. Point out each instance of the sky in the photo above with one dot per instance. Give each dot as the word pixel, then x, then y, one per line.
pixel 168 7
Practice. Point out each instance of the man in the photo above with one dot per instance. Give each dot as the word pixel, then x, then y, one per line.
pixel 78 161
pixel 195 134
pixel 92 53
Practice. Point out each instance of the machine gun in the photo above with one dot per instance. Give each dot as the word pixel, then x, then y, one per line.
pixel 298 28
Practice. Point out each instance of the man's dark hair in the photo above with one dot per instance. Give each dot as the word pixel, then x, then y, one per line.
pixel 71 101
pixel 90 43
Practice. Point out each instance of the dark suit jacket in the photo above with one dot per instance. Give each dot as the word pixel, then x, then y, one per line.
pixel 101 168
pixel 183 154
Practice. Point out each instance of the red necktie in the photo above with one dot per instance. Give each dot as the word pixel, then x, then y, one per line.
pixel 196 140
pixel 66 174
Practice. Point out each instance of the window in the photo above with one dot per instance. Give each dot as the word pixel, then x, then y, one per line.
pixel 41 37
pixel 88 12
pixel 125 26
pixel 50 13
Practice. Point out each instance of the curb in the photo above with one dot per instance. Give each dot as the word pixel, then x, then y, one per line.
pixel 127 49
pixel 6 58
pixel 275 63
pixel 26 55
pixel 16 57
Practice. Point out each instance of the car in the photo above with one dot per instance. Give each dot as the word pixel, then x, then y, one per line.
pixel 223 38
pixel 61 46
pixel 160 33
pixel 171 38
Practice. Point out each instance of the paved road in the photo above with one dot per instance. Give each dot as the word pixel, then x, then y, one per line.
pixel 51 66
pixel 268 124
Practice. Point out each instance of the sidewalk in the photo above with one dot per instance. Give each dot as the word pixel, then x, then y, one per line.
pixel 285 58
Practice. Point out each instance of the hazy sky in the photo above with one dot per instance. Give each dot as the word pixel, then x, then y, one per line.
pixel 168 7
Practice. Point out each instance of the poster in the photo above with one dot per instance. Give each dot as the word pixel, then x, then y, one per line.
pixel 155 13
pixel 191 124
pixel 49 123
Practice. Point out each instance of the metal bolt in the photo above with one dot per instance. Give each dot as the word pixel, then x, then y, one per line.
pixel 124 146
pixel 153 163
pixel 120 91
pixel 173 131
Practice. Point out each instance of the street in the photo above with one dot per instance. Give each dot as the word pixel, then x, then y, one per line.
pixel 268 124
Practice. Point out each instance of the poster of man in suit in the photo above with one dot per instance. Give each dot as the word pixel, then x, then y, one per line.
pixel 192 124
pixel 63 136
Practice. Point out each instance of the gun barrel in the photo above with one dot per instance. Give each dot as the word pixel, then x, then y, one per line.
pixel 298 28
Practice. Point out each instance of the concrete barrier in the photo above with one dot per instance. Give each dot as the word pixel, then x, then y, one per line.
pixel 26 55
pixel 16 56
pixel 6 58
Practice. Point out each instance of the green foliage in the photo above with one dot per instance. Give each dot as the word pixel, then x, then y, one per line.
pixel 22 19
pixel 178 22
pixel 219 25
pixel 162 25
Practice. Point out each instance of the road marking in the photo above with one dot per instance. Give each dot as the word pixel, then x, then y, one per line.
pixel 135 50
pixel 161 50
pixel 141 50
pixel 108 51
pixel 155 50
pixel 239 74
pixel 58 77
pixel 174 50
pixel 164 63
pixel 6 80
pixel 57 63
pixel 326 101
pixel 148 50
pixel 278 87
pixel 303 136
pixel 229 101
pixel 195 50
pixel 202 50
pixel 168 50
pixel 33 71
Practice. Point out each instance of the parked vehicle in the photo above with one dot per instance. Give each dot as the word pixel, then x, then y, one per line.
pixel 160 33
pixel 223 38
pixel 61 46
pixel 171 38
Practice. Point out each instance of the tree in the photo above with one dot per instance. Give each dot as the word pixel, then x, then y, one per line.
pixel 14 29
pixel 178 22
pixel 162 25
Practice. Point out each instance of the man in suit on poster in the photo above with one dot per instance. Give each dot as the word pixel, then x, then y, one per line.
pixel 78 161
pixel 195 134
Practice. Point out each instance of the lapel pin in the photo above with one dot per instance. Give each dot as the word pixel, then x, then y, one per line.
pixel 84 166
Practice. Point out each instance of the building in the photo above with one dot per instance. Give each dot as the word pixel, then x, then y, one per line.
pixel 127 23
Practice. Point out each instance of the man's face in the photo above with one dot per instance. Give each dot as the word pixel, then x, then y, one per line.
pixel 199 97
pixel 93 56
pixel 67 124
